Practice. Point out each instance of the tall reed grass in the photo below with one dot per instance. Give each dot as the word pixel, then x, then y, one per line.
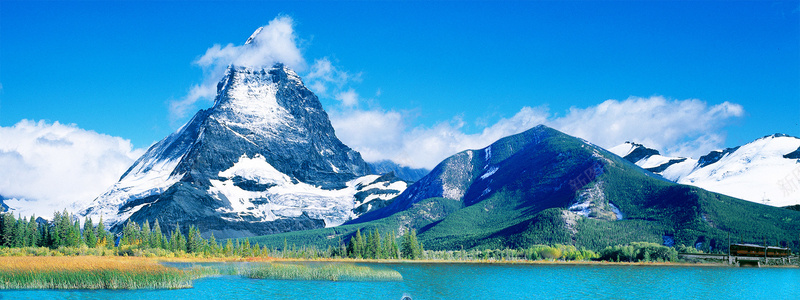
pixel 91 272
pixel 332 272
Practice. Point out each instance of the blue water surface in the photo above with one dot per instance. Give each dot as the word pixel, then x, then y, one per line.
pixel 486 281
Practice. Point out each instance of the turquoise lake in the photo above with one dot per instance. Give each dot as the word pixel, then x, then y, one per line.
pixel 486 281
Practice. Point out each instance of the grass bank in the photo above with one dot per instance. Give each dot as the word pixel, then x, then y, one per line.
pixel 114 272
pixel 329 272
pixel 91 272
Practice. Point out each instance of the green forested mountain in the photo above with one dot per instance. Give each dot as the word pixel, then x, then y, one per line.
pixel 545 187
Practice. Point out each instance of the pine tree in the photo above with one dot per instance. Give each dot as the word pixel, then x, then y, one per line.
pixel 33 234
pixel 103 238
pixel 44 235
pixel 214 246
pixel 88 233
pixel 20 234
pixel 359 244
pixel 74 237
pixel 156 236
pixel 194 242
pixel 229 248
pixel 388 246
pixel 410 247
pixel 9 224
pixel 355 248
pixel 177 241
pixel 375 244
pixel 130 234
pixel 144 235
pixel 245 246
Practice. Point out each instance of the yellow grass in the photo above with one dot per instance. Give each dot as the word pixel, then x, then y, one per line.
pixel 79 263
pixel 89 272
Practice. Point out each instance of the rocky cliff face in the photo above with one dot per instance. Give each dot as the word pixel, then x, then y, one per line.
pixel 264 159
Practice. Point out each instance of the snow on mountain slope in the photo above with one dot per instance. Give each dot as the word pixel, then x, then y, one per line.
pixel 254 189
pixel 762 171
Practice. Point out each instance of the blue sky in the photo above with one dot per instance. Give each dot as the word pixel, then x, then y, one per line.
pixel 113 67
pixel 413 82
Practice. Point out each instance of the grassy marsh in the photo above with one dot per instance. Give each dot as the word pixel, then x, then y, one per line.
pixel 104 272
pixel 91 272
pixel 331 272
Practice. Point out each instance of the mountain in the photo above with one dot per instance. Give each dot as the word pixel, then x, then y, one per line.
pixel 405 173
pixel 545 187
pixel 766 170
pixel 263 159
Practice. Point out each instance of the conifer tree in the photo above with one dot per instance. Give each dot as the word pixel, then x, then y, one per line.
pixel 130 234
pixel 375 244
pixel 103 238
pixel 212 242
pixel 88 233
pixel 19 238
pixel 74 236
pixel 177 241
pixel 156 237
pixel 229 248
pixel 410 247
pixel 144 235
pixel 359 244
pixel 245 246
pixel 194 242
pixel 33 234
pixel 44 235
pixel 9 224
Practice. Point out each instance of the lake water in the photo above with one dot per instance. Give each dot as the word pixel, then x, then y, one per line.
pixel 487 281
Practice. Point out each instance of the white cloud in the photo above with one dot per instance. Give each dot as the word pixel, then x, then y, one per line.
pixel 379 135
pixel 680 127
pixel 327 80
pixel 48 167
pixel 348 98
pixel 275 42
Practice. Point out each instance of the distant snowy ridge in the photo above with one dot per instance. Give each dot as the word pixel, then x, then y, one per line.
pixel 764 171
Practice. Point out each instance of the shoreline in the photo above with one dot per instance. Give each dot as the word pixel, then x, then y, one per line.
pixel 434 261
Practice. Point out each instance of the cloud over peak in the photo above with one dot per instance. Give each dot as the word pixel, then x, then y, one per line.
pixel 272 43
pixel 47 167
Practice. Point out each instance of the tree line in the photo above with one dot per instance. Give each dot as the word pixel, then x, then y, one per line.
pixel 377 246
pixel 61 232
pixel 65 231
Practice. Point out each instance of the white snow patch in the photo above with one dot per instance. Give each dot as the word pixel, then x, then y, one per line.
pixel 622 150
pixel 490 172
pixel 286 198
pixel 653 161
pixel 756 172
pixel 678 170
pixel 616 211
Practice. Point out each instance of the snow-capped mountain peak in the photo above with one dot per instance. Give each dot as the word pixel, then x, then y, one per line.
pixel 763 171
pixel 263 159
